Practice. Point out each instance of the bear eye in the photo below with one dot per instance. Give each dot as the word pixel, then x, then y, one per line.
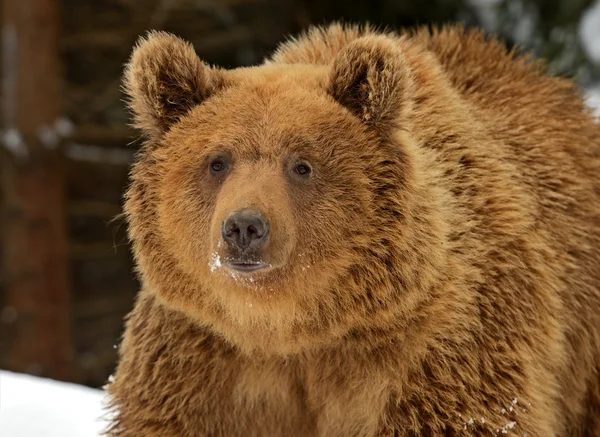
pixel 217 165
pixel 303 169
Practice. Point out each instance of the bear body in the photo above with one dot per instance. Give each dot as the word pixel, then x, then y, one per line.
pixel 368 235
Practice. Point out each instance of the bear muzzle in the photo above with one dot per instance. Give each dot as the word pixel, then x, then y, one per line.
pixel 245 233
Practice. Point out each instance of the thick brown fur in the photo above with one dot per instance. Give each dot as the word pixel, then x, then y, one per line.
pixel 438 273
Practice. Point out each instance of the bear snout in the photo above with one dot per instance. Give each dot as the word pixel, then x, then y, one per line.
pixel 245 230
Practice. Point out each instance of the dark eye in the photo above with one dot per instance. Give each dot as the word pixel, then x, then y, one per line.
pixel 217 165
pixel 303 169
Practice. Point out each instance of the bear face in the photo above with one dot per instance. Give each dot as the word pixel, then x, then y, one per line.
pixel 259 188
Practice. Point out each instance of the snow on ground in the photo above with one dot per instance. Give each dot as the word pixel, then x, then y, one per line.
pixel 38 407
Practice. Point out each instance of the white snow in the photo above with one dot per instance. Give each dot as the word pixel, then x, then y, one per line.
pixel 593 99
pixel 64 127
pixel 38 407
pixel 13 142
pixel 215 262
pixel 589 31
pixel 91 153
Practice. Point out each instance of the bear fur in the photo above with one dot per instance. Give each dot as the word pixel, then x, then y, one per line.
pixel 432 270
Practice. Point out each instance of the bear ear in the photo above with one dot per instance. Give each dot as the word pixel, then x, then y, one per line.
pixel 373 80
pixel 164 79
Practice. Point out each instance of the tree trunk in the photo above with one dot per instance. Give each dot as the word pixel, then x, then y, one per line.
pixel 34 245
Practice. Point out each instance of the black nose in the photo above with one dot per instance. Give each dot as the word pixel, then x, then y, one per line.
pixel 245 228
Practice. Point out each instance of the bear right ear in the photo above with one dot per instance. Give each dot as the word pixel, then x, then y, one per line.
pixel 372 78
pixel 164 79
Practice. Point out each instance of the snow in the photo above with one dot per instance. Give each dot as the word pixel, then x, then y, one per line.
pixel 589 31
pixel 91 153
pixel 215 262
pixel 13 142
pixel 593 99
pixel 35 407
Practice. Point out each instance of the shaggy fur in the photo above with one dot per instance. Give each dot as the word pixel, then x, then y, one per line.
pixel 437 274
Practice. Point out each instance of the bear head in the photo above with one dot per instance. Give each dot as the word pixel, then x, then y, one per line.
pixel 278 205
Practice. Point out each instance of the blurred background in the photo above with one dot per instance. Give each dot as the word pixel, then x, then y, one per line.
pixel 66 274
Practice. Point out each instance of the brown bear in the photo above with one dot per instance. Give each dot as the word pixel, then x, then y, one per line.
pixel 370 234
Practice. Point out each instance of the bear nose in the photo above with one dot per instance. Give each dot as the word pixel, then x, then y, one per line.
pixel 245 228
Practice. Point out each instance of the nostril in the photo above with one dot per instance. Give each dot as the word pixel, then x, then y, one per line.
pixel 231 229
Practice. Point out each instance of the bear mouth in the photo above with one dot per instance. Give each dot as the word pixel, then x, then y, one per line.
pixel 246 266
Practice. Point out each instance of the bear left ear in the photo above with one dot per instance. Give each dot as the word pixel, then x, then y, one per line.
pixel 372 79
pixel 164 79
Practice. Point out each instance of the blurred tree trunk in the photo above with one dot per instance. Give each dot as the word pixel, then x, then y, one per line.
pixel 34 246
